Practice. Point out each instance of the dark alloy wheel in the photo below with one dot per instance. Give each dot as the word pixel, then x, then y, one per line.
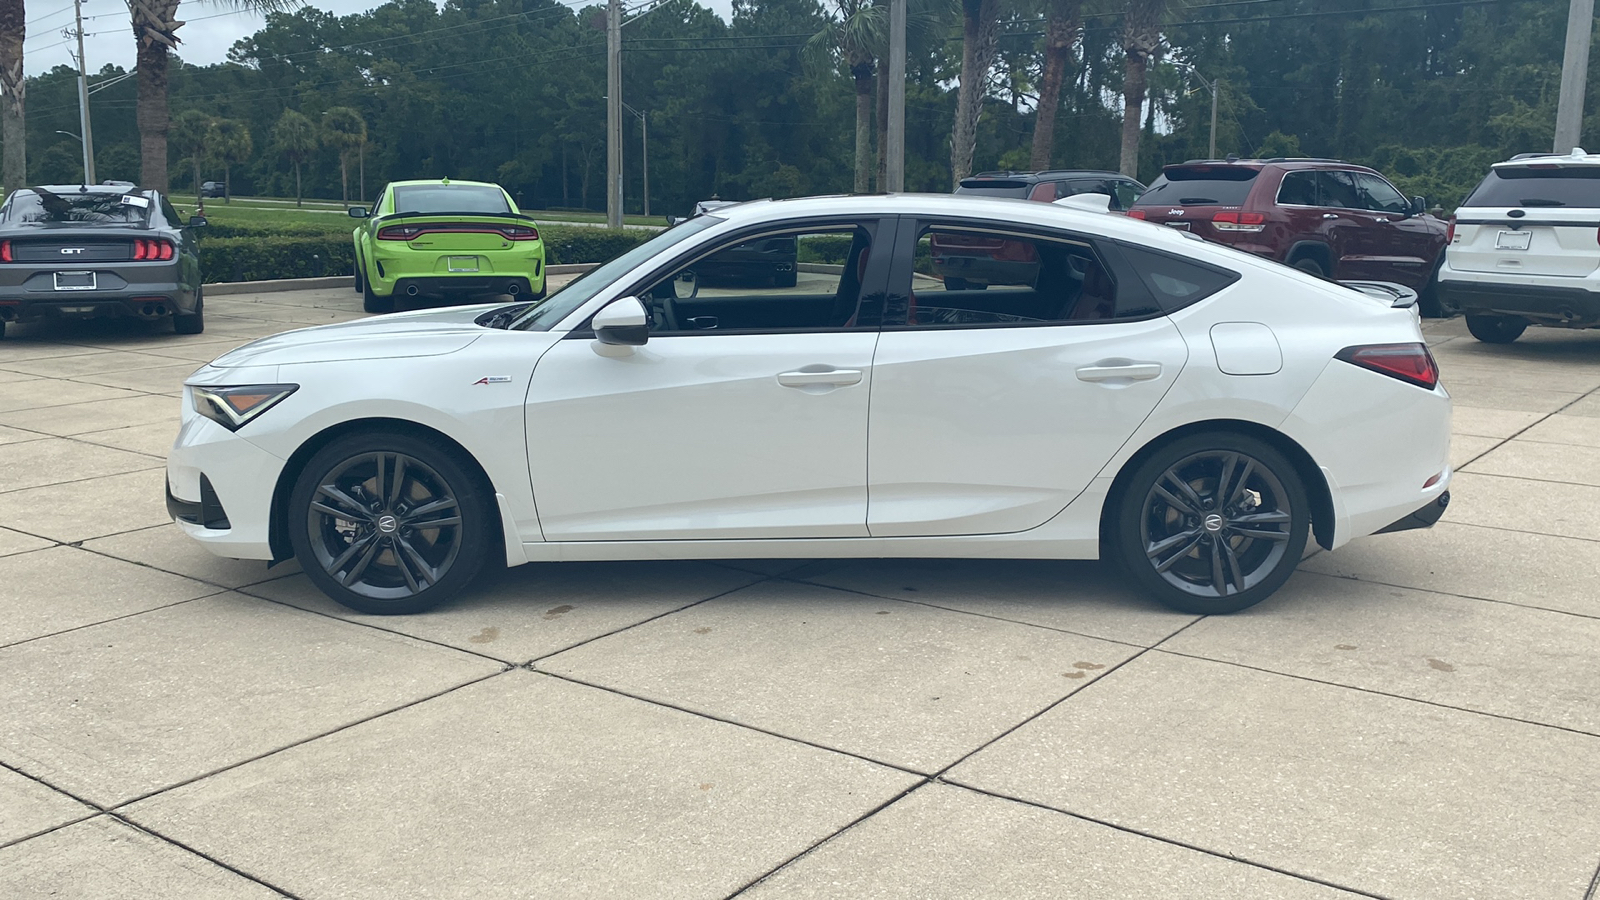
pixel 390 523
pixel 1213 523
pixel 1496 329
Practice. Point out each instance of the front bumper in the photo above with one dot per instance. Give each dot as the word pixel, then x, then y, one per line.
pixel 220 488
pixel 1573 307
pixel 1425 517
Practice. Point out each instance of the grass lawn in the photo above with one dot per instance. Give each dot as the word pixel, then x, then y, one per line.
pixel 330 214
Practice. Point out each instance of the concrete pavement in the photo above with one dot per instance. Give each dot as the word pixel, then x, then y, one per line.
pixel 1414 716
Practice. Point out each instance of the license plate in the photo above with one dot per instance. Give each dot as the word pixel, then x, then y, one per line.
pixel 463 263
pixel 75 281
pixel 1181 226
pixel 1513 240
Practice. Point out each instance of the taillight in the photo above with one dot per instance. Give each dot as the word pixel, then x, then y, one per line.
pixel 399 232
pixel 520 232
pixel 1136 214
pixel 5 251
pixel 151 250
pixel 1239 221
pixel 1411 363
pixel 1450 233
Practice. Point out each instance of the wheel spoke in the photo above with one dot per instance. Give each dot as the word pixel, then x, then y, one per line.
pixel 354 574
pixel 1261 534
pixel 1172 500
pixel 1235 575
pixel 1219 581
pixel 405 571
pixel 1155 550
pixel 434 523
pixel 353 508
pixel 356 546
pixel 440 505
pixel 1275 517
pixel 399 479
pixel 378 483
pixel 1230 495
pixel 428 573
pixel 1185 490
pixel 1225 478
pixel 1185 550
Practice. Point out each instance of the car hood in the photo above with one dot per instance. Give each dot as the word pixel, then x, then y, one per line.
pixel 429 332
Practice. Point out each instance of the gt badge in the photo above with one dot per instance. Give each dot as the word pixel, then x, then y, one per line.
pixel 493 379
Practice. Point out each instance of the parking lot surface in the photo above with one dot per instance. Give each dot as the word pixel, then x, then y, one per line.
pixel 1416 715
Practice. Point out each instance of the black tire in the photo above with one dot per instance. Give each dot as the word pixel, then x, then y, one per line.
pixel 1428 300
pixel 956 284
pixel 370 521
pixel 372 303
pixel 2 329
pixel 195 322
pixel 360 283
pixel 1183 545
pixel 1310 266
pixel 1496 329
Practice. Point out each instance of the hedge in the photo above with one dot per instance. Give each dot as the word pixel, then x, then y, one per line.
pixel 258 253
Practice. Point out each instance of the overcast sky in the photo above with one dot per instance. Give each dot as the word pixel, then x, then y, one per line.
pixel 210 29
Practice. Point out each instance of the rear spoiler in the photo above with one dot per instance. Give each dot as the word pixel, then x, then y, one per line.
pixel 519 217
pixel 1398 295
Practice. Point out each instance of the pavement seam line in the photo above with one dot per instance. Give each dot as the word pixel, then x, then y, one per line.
pixel 205 856
pixel 1165 840
pixel 303 741
pixel 34 487
pixel 1375 692
pixel 1407 587
pixel 1594 886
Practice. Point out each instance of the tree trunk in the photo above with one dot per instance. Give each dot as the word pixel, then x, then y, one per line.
pixel 227 184
pixel 13 91
pixel 978 19
pixel 344 177
pixel 883 126
pixel 1141 37
pixel 154 118
pixel 862 72
pixel 297 193
pixel 1060 33
pixel 197 197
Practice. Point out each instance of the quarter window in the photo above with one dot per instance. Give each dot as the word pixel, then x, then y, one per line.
pixel 779 281
pixel 1299 189
pixel 968 277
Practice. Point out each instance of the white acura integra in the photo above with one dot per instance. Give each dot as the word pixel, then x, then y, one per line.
pixel 790 379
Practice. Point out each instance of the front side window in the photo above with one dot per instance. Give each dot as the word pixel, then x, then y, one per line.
pixel 784 280
pixel 967 277
pixel 1379 195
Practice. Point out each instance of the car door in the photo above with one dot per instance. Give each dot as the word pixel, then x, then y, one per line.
pixel 1343 221
pixel 743 416
pixel 993 409
pixel 1394 245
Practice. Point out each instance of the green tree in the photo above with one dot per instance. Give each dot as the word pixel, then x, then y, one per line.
pixel 979 22
pixel 192 134
pixel 13 88
pixel 850 37
pixel 295 139
pixel 1141 44
pixel 230 145
pixel 345 131
pixel 1062 21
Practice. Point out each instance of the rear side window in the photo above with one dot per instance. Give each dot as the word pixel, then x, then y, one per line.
pixel 1174 282
pixel 1539 186
pixel 1200 186
pixel 995 187
pixel 977 277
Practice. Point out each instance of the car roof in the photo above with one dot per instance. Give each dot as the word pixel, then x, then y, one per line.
pixel 84 188
pixel 1047 174
pixel 1281 162
pixel 442 182
pixel 1578 157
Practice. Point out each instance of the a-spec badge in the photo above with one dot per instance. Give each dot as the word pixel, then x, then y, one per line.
pixel 493 379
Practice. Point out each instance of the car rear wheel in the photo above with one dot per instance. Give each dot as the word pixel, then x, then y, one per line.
pixel 195 322
pixel 1429 300
pixel 390 523
pixel 1213 523
pixel 1310 266
pixel 1496 329
pixel 361 283
pixel 372 303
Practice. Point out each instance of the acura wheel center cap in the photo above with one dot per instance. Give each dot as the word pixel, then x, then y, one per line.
pixel 1213 523
pixel 388 524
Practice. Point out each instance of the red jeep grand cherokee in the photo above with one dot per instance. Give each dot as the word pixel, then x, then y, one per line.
pixel 1322 216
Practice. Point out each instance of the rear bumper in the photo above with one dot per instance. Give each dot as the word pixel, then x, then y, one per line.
pixel 1422 518
pixel 146 301
pixel 389 271
pixel 1546 305
pixel 516 285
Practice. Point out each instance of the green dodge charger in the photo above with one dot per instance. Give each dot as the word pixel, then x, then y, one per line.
pixel 432 238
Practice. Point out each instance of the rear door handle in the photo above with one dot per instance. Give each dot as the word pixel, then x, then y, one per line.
pixel 803 378
pixel 1124 371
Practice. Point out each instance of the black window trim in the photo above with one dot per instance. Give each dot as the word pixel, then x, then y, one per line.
pixel 880 230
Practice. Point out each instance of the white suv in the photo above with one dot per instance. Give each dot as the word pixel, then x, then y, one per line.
pixel 1524 247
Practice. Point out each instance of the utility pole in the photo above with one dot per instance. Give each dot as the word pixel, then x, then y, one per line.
pixel 895 151
pixel 1574 74
pixel 1213 152
pixel 614 113
pixel 644 132
pixel 83 98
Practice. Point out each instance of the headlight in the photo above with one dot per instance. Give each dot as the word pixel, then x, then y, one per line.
pixel 232 407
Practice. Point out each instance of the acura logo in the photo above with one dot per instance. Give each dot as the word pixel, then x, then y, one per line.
pixel 1213 522
pixel 387 524
pixel 70 250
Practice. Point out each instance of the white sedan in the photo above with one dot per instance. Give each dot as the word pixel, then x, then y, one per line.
pixel 1115 390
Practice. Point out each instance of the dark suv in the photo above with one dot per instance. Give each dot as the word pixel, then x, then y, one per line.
pixel 1048 187
pixel 1323 216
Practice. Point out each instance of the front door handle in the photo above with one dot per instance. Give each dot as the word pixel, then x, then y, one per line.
pixel 1330 216
pixel 804 378
pixel 1109 371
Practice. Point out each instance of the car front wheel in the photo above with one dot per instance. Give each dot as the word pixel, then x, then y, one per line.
pixel 390 523
pixel 1213 523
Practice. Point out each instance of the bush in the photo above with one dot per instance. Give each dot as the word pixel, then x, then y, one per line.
pixel 260 253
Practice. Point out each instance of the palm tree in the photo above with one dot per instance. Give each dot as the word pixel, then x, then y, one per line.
pixel 155 27
pixel 344 130
pixel 1060 33
pixel 191 131
pixel 13 130
pixel 1141 43
pixel 979 19
pixel 295 139
pixel 854 29
pixel 231 144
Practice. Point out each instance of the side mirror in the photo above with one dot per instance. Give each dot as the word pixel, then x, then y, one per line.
pixel 359 212
pixel 197 222
pixel 685 285
pixel 1419 205
pixel 623 323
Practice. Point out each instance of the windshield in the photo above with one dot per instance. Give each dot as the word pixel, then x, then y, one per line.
pixel 558 305
pixel 1539 186
pixel 1210 186
pixel 94 208
pixel 449 198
